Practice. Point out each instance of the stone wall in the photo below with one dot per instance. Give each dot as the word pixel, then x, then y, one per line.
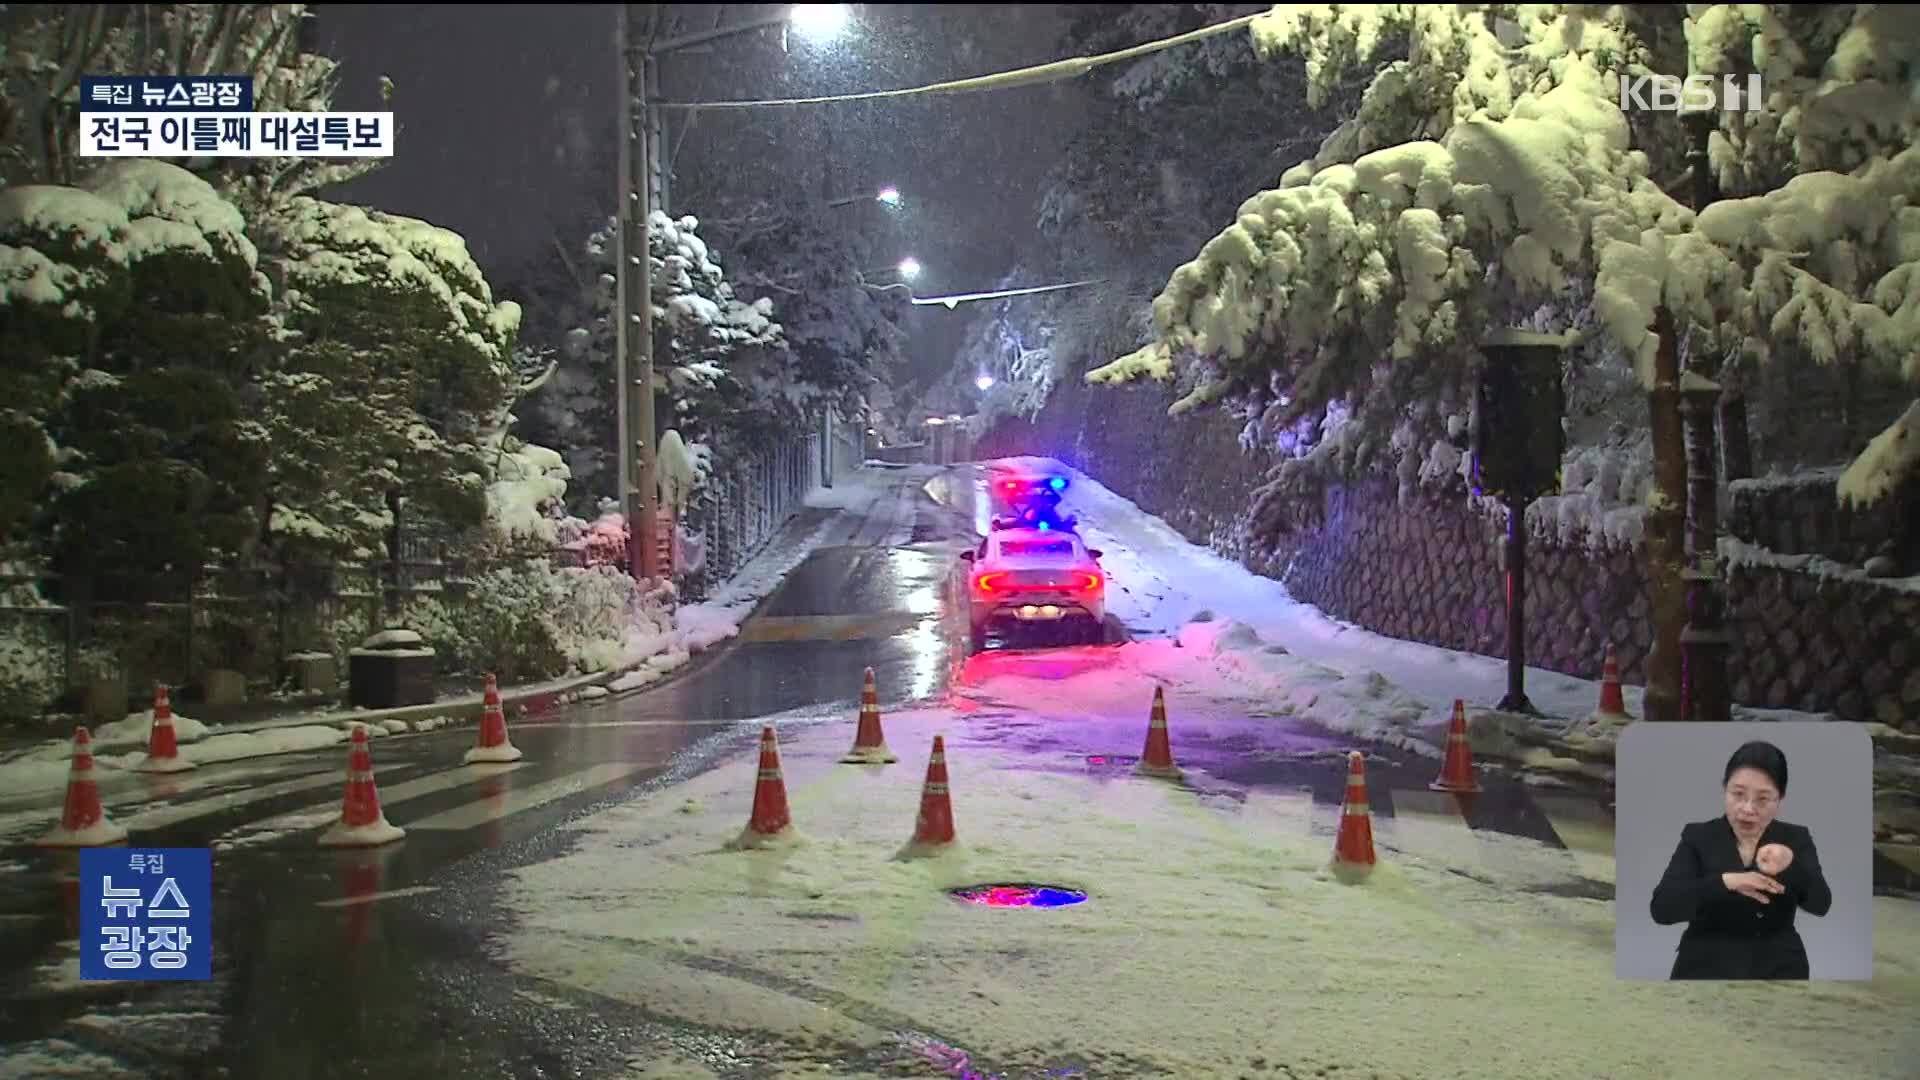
pixel 1801 515
pixel 1430 569
pixel 1816 635
pixel 1434 570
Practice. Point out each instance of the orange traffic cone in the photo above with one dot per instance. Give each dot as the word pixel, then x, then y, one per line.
pixel 362 823
pixel 869 745
pixel 83 821
pixel 163 747
pixel 1157 759
pixel 933 831
pixel 1612 702
pixel 1354 845
pixel 1456 772
pixel 770 822
pixel 494 746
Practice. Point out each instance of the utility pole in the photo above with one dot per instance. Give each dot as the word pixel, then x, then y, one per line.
pixel 1704 643
pixel 639 492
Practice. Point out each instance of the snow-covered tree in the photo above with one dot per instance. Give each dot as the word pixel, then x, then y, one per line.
pixel 1493 169
pixel 842 334
pixel 709 349
pixel 129 318
pixel 397 373
pixel 46 48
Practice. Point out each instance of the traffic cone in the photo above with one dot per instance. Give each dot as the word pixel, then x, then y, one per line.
pixel 163 747
pixel 770 821
pixel 83 821
pixel 1354 845
pixel 362 823
pixel 494 746
pixel 1456 772
pixel 1157 759
pixel 869 745
pixel 1612 702
pixel 933 831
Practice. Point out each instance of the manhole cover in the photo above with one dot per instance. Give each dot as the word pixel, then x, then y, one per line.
pixel 1020 895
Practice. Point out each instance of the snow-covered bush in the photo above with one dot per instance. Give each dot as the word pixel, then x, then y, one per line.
pixel 31 665
pixel 529 482
pixel 530 620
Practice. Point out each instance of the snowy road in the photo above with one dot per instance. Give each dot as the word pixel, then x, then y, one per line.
pixel 576 916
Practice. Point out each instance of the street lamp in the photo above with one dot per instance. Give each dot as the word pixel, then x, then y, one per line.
pixel 819 22
pixel 984 382
pixel 887 196
pixel 641 136
pixel 909 268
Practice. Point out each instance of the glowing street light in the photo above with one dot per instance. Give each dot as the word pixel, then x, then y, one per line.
pixel 889 196
pixel 909 268
pixel 984 382
pixel 819 22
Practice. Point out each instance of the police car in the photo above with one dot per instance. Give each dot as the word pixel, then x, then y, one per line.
pixel 1032 580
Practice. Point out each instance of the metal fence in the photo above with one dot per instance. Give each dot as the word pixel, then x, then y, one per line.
pixel 744 507
pixel 251 619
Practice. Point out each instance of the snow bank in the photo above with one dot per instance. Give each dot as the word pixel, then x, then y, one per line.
pixel 1161 585
pixel 1221 904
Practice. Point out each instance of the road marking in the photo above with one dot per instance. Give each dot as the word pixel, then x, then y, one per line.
pixel 1583 827
pixel 830 627
pixel 493 808
pixel 525 724
pixel 162 816
pixel 368 898
pixel 319 814
pixel 1430 823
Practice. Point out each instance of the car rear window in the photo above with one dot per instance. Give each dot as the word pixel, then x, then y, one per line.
pixel 1036 547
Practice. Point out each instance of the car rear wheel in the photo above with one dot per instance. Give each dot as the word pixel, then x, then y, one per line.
pixel 976 640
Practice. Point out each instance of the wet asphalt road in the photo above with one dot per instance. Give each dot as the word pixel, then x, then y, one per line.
pixel 373 963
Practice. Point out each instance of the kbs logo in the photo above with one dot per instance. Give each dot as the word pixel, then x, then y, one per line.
pixel 1695 93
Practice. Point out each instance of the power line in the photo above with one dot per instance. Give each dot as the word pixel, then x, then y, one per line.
pixel 1056 71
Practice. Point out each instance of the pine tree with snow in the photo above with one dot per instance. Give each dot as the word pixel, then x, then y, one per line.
pixel 133 304
pixel 396 375
pixel 1492 170
pixel 707 342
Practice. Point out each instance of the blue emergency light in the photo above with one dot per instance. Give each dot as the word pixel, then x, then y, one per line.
pixel 1058 483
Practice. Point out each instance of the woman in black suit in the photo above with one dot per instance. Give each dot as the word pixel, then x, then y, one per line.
pixel 1737 880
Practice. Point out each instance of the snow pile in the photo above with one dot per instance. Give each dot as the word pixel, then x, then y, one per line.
pixel 528 482
pixel 647 909
pixel 45 768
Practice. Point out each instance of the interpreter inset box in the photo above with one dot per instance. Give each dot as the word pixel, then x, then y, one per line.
pixel 1744 851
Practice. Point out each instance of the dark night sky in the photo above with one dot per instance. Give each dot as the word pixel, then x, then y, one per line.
pixel 499 107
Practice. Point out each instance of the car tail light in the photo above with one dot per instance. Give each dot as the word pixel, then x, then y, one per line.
pixel 987 582
pixel 1088 582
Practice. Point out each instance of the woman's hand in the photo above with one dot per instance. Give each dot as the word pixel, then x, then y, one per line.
pixel 1773 858
pixel 1751 885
